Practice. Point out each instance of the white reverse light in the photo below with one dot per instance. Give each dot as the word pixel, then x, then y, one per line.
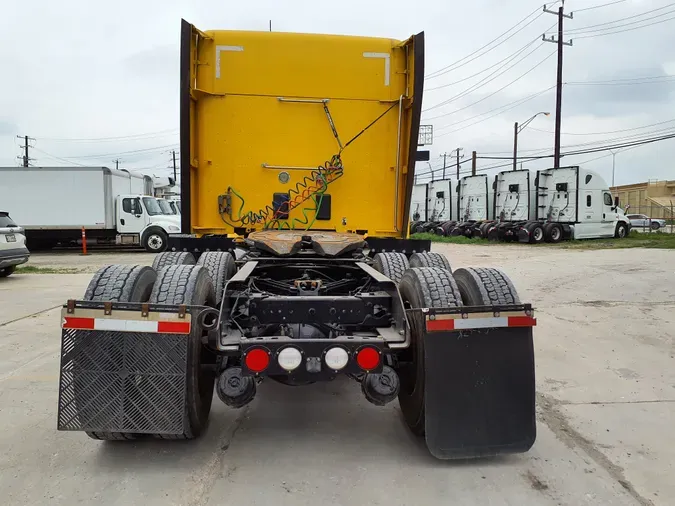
pixel 336 358
pixel 289 358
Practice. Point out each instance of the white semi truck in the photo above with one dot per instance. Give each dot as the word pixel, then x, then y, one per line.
pixel 553 205
pixel 560 204
pixel 53 204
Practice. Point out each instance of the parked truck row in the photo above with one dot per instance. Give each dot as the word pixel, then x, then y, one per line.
pixel 113 206
pixel 550 205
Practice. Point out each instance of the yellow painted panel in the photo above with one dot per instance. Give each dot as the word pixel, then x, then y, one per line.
pixel 301 65
pixel 267 99
pixel 299 135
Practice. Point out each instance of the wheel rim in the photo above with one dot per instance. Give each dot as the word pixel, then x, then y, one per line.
pixel 538 234
pixel 555 233
pixel 155 242
pixel 622 231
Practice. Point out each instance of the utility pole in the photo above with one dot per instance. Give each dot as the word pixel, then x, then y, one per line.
pixel 444 155
pixel 25 159
pixel 457 153
pixel 473 163
pixel 515 144
pixel 558 101
pixel 174 165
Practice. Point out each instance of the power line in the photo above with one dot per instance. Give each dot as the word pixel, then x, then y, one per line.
pixel 117 138
pixel 633 137
pixel 105 155
pixel 609 132
pixel 626 30
pixel 70 162
pixel 461 62
pixel 495 92
pixel 480 72
pixel 585 28
pixel 599 6
pixel 625 82
pixel 485 80
pixel 516 104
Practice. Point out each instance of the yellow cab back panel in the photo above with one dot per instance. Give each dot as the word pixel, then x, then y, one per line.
pixel 262 111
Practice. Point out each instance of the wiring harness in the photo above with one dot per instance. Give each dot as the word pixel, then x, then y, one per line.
pixel 312 187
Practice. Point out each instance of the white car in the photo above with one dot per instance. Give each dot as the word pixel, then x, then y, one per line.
pixel 641 220
pixel 13 249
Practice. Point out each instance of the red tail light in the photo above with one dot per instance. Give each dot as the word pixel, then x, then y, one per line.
pixel 368 358
pixel 257 359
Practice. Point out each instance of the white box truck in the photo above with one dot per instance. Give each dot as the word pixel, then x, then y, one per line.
pixel 53 204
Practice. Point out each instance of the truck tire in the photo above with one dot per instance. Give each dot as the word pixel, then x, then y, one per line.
pixel 191 285
pixel 421 287
pixel 391 264
pixel 536 233
pixel 155 240
pixel 485 286
pixel 7 271
pixel 621 231
pixel 120 283
pixel 221 268
pixel 430 259
pixel 552 233
pixel 166 258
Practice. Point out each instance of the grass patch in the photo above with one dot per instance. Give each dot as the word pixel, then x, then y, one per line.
pixel 634 240
pixel 32 269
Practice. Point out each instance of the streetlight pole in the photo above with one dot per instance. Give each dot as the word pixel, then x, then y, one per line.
pixel 519 128
pixel 613 164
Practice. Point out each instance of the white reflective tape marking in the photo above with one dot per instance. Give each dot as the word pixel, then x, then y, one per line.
pixel 224 48
pixel 387 63
pixel 480 323
pixel 125 325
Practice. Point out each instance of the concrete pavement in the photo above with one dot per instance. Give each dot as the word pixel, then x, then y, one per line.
pixel 606 407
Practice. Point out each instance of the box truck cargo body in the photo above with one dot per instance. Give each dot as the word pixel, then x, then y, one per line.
pixel 53 204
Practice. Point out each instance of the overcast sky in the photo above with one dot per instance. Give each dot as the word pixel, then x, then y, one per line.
pixel 75 70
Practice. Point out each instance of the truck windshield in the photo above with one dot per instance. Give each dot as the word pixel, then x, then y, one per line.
pixel 152 206
pixel 6 221
pixel 166 208
pixel 174 207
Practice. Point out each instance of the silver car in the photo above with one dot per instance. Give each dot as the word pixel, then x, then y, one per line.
pixel 13 249
pixel 643 221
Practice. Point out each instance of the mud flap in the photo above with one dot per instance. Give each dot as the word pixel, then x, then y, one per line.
pixel 115 379
pixel 480 392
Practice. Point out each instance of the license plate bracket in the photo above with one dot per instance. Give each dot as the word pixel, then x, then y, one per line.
pixel 10 237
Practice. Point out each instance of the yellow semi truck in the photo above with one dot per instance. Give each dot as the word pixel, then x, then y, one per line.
pixel 294 265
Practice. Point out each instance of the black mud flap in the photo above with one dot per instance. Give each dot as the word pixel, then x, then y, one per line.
pixel 480 392
pixel 123 380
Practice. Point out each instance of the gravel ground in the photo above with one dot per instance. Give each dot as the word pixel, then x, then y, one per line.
pixel 605 347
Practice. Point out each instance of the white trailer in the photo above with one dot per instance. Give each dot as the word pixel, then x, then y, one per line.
pixel 53 204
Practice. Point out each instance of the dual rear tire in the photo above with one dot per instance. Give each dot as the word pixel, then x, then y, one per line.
pixel 174 279
pixel 433 287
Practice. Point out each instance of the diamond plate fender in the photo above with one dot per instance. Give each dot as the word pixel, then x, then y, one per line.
pixel 114 381
pixel 480 392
